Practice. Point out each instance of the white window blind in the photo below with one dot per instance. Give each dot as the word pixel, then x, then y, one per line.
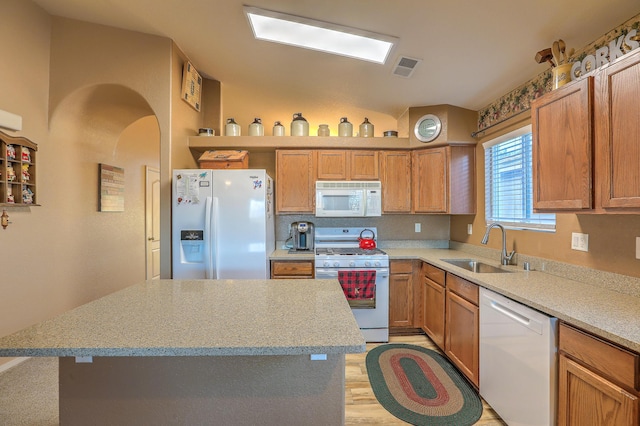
pixel 509 183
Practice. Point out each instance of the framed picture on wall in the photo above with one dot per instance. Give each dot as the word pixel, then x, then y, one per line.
pixel 191 86
pixel 111 189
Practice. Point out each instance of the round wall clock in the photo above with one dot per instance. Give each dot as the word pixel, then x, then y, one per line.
pixel 427 128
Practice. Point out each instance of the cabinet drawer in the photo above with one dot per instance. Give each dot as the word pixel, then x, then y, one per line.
pixel 292 268
pixel 401 267
pixel 433 273
pixel 610 360
pixel 463 288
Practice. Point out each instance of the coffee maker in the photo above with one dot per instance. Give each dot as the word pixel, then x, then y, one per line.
pixel 303 236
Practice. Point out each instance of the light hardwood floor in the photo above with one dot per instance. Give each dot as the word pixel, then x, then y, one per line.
pixel 362 408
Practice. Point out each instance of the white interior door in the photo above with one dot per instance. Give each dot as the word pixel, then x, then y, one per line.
pixel 152 223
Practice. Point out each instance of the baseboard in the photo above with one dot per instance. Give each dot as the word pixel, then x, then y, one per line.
pixel 15 361
pixel 404 331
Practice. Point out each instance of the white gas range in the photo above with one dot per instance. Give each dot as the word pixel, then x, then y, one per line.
pixel 363 274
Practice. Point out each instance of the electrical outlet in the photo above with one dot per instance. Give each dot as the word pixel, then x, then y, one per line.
pixel 469 229
pixel 637 247
pixel 418 227
pixel 579 241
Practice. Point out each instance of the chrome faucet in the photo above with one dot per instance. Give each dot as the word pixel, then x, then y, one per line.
pixel 505 258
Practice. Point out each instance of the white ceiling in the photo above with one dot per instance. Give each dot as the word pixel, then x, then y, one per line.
pixel 473 51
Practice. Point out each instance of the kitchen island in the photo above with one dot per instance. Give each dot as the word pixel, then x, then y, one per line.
pixel 201 352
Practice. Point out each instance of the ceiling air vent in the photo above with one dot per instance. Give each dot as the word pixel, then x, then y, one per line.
pixel 404 66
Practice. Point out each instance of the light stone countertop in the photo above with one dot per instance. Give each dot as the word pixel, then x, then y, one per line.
pixel 584 302
pixel 200 318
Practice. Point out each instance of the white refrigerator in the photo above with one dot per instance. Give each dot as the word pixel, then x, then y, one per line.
pixel 222 224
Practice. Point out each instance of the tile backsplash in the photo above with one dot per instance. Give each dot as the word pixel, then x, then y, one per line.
pixel 390 227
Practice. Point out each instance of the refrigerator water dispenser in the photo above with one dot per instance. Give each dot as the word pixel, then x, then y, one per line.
pixel 192 246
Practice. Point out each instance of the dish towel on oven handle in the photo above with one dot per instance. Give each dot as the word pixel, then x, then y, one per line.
pixel 358 284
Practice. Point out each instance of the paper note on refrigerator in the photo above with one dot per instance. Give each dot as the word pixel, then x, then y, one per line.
pixel 188 188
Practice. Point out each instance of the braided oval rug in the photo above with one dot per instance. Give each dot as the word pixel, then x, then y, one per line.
pixel 421 387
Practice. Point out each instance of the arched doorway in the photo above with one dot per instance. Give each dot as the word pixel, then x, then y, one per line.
pixel 103 124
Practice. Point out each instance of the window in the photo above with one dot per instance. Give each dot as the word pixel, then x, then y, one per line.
pixel 509 183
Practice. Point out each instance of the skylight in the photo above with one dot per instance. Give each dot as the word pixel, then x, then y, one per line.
pixel 316 35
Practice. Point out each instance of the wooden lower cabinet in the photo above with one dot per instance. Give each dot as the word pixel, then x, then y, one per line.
pixel 598 382
pixel 433 303
pixel 292 269
pixel 585 398
pixel 462 342
pixel 401 293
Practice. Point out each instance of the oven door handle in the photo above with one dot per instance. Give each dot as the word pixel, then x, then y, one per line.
pixel 333 273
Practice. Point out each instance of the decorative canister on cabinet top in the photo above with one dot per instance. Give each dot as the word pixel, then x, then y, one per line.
pixel 366 129
pixel 345 128
pixel 278 129
pixel 256 128
pixel 206 131
pixel 561 75
pixel 232 128
pixel 299 125
pixel 323 130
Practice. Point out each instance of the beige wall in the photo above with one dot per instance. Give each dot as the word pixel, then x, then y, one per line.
pixel 245 105
pixel 28 293
pixel 87 94
pixel 611 237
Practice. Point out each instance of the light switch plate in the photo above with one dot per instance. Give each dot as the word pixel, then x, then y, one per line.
pixel 469 228
pixel 579 241
pixel 418 227
pixel 637 247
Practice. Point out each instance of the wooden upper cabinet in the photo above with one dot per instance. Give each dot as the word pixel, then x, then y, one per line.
pixel 617 136
pixel 444 180
pixel 562 147
pixel 430 181
pixel 295 181
pixel 364 165
pixel 347 165
pixel 332 165
pixel 395 177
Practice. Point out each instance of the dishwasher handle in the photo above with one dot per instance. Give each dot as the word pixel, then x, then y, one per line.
pixel 530 323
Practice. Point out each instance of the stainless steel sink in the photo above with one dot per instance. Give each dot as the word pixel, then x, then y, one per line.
pixel 475 266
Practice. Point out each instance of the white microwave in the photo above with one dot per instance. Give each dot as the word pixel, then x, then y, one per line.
pixel 348 198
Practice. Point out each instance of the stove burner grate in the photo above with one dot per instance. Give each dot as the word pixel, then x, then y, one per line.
pixel 350 251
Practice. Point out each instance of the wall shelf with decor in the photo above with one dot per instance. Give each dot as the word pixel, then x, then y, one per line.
pixel 200 144
pixel 17 171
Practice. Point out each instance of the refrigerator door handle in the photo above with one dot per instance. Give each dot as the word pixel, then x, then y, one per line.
pixel 211 238
pixel 208 266
pixel 213 223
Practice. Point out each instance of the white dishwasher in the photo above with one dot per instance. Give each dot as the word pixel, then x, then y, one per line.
pixel 518 360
